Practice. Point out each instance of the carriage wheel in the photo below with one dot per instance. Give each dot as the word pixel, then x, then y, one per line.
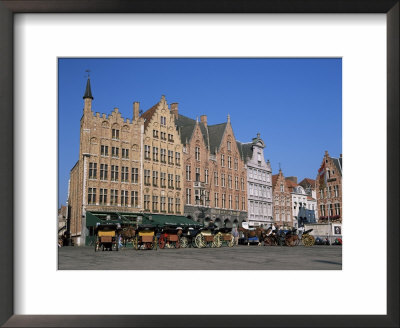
pixel 199 241
pixel 217 242
pixel 161 242
pixel 308 240
pixel 183 241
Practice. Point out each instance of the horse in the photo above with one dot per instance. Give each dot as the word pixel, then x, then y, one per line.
pixel 258 232
pixel 291 238
pixel 127 234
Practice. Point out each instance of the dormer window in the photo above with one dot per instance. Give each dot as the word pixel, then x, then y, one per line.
pixel 229 145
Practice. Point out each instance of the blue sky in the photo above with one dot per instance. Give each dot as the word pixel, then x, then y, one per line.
pixel 296 104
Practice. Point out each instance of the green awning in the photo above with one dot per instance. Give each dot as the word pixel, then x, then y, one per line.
pixel 170 220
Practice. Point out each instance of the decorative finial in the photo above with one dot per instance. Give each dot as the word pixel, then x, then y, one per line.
pixel 258 135
pixel 229 118
pixel 280 169
pixel 88 73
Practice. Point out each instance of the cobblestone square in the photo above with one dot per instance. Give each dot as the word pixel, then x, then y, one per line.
pixel 236 258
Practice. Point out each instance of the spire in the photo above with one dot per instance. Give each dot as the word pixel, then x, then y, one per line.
pixel 88 92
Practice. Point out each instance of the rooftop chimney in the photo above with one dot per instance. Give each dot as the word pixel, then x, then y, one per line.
pixel 174 109
pixel 203 119
pixel 135 110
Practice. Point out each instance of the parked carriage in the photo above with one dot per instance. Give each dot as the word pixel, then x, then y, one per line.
pixel 224 236
pixel 307 239
pixel 188 236
pixel 169 237
pixel 206 237
pixel 145 237
pixel 106 237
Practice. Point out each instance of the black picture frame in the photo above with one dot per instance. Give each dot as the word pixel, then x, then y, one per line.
pixel 10 7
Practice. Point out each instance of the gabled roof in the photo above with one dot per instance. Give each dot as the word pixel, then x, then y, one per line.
pixel 338 164
pixel 274 179
pixel 215 134
pixel 307 181
pixel 148 114
pixel 290 184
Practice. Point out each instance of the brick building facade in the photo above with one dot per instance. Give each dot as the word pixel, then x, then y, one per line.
pixel 106 176
pixel 282 201
pixel 329 189
pixel 215 174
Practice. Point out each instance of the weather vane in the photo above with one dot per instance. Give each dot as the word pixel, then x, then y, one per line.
pixel 279 166
pixel 88 73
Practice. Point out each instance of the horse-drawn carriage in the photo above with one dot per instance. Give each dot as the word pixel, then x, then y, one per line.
pixel 307 239
pixel 145 237
pixel 251 236
pixel 206 237
pixel 224 236
pixel 170 237
pixel 106 237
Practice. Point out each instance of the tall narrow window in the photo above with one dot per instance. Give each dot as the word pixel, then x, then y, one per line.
pixel 178 181
pixel 103 171
pixel 216 199
pixel 229 162
pixel 177 205
pixel 222 160
pixel 206 176
pixel 236 164
pixel 115 152
pixel 162 203
pixel 104 150
pixel 92 170
pixel 103 197
pixel 155 154
pixel 216 178
pixel 146 152
pixel 155 178
pixel 229 145
pixel 229 181
pixel 146 202
pixel 223 201
pixel 163 156
pixel 155 203
pixel 92 196
pixel 124 197
pixel 170 157
pixel 155 134
pixel 188 173
pixel 197 174
pixel 170 205
pixel 147 177
pixel 134 199
pixel 135 175
pixel 197 153
pixel 237 183
pixel 115 134
pixel 162 179
pixel 188 196
pixel 178 158
pixel 125 153
pixel 114 172
pixel 230 201
pixel 114 197
pixel 125 174
pixel 242 183
pixel 223 180
pixel 243 204
pixel 170 181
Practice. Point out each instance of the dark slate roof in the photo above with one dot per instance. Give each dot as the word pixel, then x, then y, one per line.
pixel 338 164
pixel 245 150
pixel 88 91
pixel 215 134
pixel 185 126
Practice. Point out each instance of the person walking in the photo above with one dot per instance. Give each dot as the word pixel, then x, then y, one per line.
pixel 235 236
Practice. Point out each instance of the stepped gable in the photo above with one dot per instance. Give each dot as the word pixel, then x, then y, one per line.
pixel 274 180
pixel 147 115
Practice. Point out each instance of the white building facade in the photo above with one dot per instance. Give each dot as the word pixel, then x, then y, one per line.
pixel 259 183
pixel 301 200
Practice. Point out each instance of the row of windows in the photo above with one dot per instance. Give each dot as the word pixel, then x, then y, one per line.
pixel 259 175
pixel 259 190
pixel 104 173
pixel 111 198
pixel 260 208
pixel 114 152
pixel 224 200
pixel 163 179
pixel 163 155
pixel 324 210
pixel 163 136
pixel 279 216
pixel 327 193
pixel 164 201
pixel 216 178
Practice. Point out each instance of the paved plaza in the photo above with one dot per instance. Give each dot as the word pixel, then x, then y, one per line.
pixel 236 258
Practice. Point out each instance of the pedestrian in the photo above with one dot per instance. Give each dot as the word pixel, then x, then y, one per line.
pixel 235 236
pixel 120 241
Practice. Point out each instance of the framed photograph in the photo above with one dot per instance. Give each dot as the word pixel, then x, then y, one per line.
pixel 37 35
